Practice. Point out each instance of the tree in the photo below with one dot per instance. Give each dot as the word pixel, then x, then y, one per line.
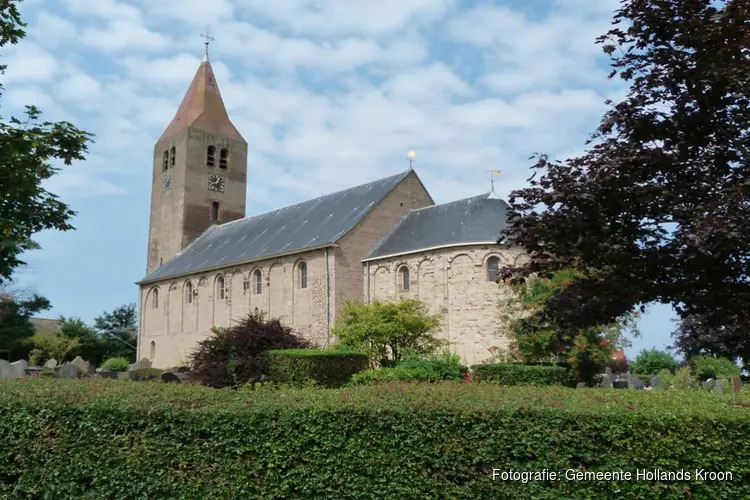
pixel 119 330
pixel 387 330
pixel 694 336
pixel 27 148
pixel 89 345
pixel 652 361
pixel 50 345
pixel 657 208
pixel 16 308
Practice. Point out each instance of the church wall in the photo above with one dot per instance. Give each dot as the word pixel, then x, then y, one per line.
pixel 178 323
pixel 409 194
pixel 452 282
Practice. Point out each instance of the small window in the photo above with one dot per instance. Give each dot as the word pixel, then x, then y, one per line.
pixel 404 278
pixel 493 266
pixel 215 210
pixel 303 274
pixel 188 293
pixel 220 288
pixel 152 353
pixel 245 285
pixel 211 156
pixel 224 158
pixel 173 154
pixel 165 161
pixel 258 282
pixel 155 298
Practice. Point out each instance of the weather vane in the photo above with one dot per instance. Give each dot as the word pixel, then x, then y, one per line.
pixel 493 174
pixel 411 157
pixel 209 39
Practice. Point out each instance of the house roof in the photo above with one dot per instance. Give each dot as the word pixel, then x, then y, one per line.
pixel 45 325
pixel 310 224
pixel 479 219
pixel 203 107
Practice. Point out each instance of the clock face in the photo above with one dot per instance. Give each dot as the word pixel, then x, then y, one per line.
pixel 216 182
pixel 167 181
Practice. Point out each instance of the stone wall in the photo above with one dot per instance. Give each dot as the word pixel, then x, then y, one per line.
pixel 454 283
pixel 175 324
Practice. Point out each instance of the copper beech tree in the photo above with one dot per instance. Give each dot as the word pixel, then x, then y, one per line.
pixel 657 208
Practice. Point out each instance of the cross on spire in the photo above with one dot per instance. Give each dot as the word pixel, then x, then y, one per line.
pixel 209 39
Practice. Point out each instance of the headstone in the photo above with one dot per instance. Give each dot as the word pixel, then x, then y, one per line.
pixel 20 368
pixel 52 363
pixel 6 370
pixel 708 384
pixel 169 377
pixel 123 375
pixel 143 363
pixel 106 374
pixel 656 382
pixel 637 383
pixel 606 382
pixel 720 386
pixel 581 385
pixel 736 384
pixel 180 369
pixel 67 371
pixel 84 366
pixel 620 383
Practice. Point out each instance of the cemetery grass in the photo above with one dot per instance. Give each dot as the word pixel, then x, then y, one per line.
pixel 98 438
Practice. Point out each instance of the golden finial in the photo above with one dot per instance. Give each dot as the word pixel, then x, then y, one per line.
pixel 411 157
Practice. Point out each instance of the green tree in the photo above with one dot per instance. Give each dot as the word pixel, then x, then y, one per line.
pixel 15 328
pixel 652 361
pixel 49 345
pixel 656 209
pixel 388 330
pixel 119 331
pixel 27 148
pixel 89 344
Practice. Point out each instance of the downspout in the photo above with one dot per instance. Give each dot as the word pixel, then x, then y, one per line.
pixel 368 281
pixel 328 301
pixel 140 325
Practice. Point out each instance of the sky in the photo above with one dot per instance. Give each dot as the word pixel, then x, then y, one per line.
pixel 328 94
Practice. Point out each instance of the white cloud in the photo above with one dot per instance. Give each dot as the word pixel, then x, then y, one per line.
pixel 29 63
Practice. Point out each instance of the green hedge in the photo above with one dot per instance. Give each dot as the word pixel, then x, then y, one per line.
pixel 516 374
pixel 412 371
pixel 327 368
pixel 98 439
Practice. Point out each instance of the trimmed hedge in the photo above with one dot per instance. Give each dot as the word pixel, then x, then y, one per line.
pixel 98 438
pixel 517 374
pixel 414 371
pixel 327 368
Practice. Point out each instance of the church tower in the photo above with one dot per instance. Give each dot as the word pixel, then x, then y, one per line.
pixel 200 171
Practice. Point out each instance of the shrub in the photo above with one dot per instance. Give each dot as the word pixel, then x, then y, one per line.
pixel 711 367
pixel 386 330
pixel 116 365
pixel 422 440
pixel 652 361
pixel 517 374
pixel 681 378
pixel 237 355
pixel 445 366
pixel 324 367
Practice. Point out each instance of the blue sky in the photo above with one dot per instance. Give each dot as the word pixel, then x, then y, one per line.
pixel 327 94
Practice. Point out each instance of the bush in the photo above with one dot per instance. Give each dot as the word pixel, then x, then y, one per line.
pixel 710 367
pixel 237 355
pixel 517 374
pixel 116 365
pixel 324 367
pixel 444 366
pixel 423 441
pixel 652 361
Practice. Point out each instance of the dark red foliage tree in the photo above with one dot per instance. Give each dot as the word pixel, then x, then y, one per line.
pixel 694 336
pixel 657 208
pixel 237 355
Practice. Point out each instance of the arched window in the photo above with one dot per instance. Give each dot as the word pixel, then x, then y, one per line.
pixel 258 282
pixel 173 154
pixel 303 274
pixel 215 210
pixel 220 288
pixel 152 351
pixel 211 156
pixel 224 158
pixel 165 161
pixel 188 293
pixel 493 266
pixel 403 275
pixel 245 285
pixel 155 298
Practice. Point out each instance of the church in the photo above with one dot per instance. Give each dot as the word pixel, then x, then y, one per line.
pixel 210 265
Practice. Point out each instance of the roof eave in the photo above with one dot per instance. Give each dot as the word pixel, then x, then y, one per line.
pixel 429 249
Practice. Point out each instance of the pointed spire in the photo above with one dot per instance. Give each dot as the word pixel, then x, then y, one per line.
pixel 203 107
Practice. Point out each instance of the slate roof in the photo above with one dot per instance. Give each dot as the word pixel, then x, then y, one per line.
pixel 309 224
pixel 479 219
pixel 45 325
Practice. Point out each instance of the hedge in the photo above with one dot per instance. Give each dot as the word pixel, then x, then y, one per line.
pixel 517 374
pixel 325 367
pixel 97 439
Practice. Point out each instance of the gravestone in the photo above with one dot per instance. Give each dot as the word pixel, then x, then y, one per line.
pixel 708 384
pixel 143 363
pixel 170 377
pixel 6 370
pixel 581 385
pixel 180 369
pixel 106 374
pixel 656 382
pixel 67 371
pixel 637 383
pixel 720 386
pixel 736 384
pixel 606 382
pixel 85 367
pixel 20 368
pixel 52 363
pixel 620 383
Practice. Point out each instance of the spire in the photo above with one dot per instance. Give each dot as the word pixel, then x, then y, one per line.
pixel 202 107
